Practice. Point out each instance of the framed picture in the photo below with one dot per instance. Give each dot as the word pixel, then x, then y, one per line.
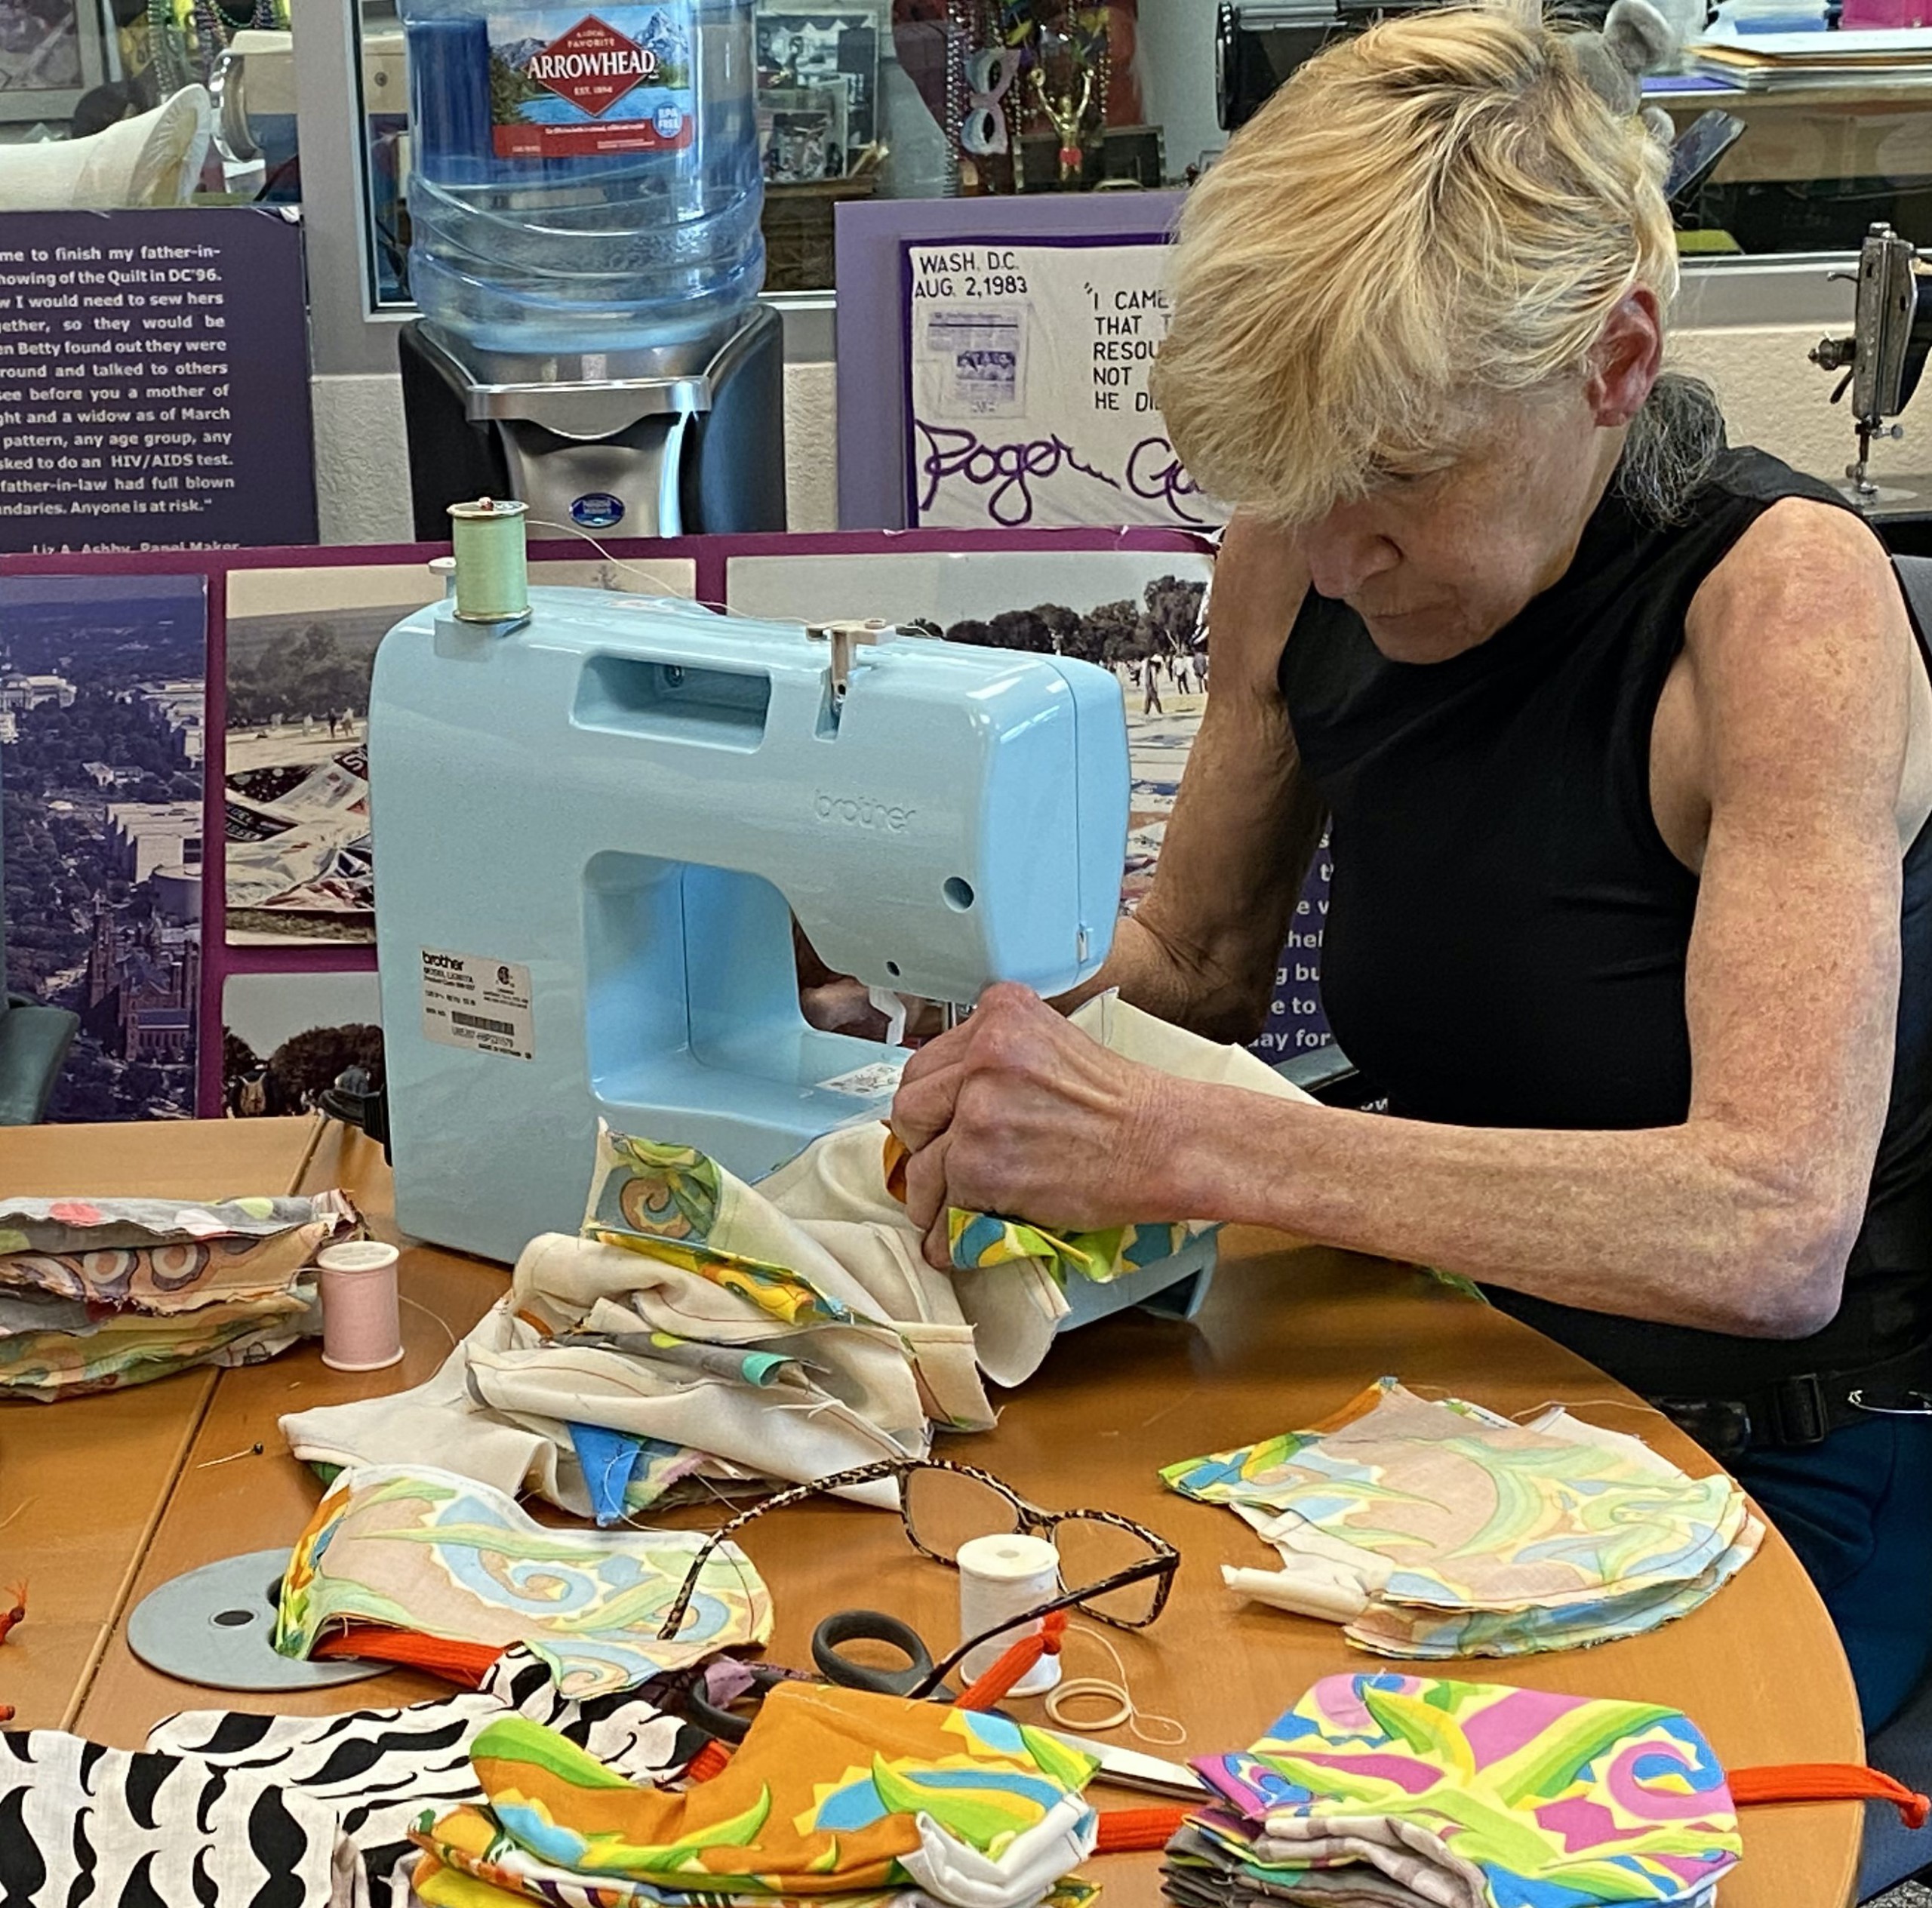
pixel 802 133
pixel 50 55
pixel 799 51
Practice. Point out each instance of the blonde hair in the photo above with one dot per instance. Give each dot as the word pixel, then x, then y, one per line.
pixel 1438 212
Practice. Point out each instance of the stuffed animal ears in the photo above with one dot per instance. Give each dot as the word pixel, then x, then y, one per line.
pixel 1636 39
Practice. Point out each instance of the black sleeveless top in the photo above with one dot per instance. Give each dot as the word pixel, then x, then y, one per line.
pixel 1507 931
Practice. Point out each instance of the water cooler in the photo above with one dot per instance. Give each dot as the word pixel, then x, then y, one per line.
pixel 586 254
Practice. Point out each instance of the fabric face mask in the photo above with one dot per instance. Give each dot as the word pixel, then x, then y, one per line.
pixel 438 1554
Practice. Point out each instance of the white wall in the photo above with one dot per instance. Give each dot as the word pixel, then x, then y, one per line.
pixel 1772 397
pixel 362 469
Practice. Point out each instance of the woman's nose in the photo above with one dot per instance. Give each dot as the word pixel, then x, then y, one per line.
pixel 1342 554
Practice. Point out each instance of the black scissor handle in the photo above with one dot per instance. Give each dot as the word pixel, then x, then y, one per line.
pixel 870 1627
pixel 727 1725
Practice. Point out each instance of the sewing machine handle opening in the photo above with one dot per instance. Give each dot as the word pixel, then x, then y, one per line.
pixel 672 702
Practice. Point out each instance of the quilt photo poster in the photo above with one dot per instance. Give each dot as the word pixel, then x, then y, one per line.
pixel 1029 404
pixel 103 683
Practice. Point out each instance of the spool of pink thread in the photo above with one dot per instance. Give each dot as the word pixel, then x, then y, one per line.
pixel 361 1321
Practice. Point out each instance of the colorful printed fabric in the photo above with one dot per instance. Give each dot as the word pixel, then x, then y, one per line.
pixel 167 1256
pixel 131 1348
pixel 833 1791
pixel 438 1554
pixel 375 1771
pixel 1406 1789
pixel 662 1201
pixel 980 1239
pixel 449 1887
pixel 1438 1530
pixel 787 1329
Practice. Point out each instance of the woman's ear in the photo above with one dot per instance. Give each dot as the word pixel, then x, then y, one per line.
pixel 1627 358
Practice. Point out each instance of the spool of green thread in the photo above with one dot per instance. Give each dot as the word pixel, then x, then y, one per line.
pixel 492 570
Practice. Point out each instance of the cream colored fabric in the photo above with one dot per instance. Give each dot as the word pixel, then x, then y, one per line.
pixel 898 1347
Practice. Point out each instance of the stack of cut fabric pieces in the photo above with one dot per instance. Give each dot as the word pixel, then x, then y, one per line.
pixel 96 1294
pixel 836 1795
pixel 699 1331
pixel 1403 1792
pixel 1435 1530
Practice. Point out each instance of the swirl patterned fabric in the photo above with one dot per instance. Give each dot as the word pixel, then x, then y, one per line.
pixel 978 1240
pixel 1439 1529
pixel 835 1792
pixel 1407 1790
pixel 96 1294
pixel 440 1555
pixel 663 1202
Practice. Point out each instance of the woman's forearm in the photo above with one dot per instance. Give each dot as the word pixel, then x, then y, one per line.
pixel 1172 983
pixel 1680 1225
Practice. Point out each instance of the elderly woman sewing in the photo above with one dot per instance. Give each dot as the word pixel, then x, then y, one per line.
pixel 1626 742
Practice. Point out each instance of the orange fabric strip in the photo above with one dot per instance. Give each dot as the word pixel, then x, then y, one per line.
pixel 1018 1659
pixel 712 1760
pixel 1122 1830
pixel 1827 1782
pixel 464 1664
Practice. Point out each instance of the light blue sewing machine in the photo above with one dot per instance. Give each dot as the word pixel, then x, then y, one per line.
pixel 595 824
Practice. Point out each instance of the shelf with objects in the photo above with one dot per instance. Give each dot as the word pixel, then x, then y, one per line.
pixel 107 104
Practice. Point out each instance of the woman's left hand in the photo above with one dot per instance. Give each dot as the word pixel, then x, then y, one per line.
pixel 1017 1113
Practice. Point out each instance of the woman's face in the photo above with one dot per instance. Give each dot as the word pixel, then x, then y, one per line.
pixel 1435 565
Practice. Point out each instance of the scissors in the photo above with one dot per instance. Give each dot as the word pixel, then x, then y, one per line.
pixel 1128 1768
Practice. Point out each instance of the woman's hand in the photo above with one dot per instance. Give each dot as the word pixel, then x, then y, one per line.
pixel 1017 1113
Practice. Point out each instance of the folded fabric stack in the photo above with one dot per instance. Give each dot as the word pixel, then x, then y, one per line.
pixel 98 1294
pixel 835 1795
pixel 394 1556
pixel 235 1811
pixel 1439 1530
pixel 1404 1791
pixel 699 1327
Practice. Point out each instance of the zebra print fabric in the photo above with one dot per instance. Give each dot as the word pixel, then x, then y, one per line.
pixel 228 1810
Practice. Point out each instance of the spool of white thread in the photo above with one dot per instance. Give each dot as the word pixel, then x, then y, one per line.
pixel 361 1320
pixel 999 1578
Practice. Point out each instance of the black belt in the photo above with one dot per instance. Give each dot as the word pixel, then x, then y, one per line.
pixel 1795 1413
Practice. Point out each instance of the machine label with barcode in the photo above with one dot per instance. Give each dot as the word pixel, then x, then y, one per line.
pixel 472 1001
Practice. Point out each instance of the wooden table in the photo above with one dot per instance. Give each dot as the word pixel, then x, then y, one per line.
pixel 109 1498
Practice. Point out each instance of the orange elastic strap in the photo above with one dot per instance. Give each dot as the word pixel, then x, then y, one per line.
pixel 1122 1830
pixel 464 1664
pixel 1827 1782
pixel 711 1761
pixel 1017 1659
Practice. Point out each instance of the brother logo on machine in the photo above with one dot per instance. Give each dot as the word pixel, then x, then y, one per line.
pixel 861 811
pixel 598 510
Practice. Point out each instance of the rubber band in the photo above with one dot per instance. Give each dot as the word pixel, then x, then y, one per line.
pixel 1094 1686
pixel 1127 1710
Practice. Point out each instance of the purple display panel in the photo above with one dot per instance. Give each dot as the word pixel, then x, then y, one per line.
pixel 873 290
pixel 1296 1023
pixel 154 380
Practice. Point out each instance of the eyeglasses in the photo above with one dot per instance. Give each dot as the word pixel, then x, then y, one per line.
pixel 1121 1572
